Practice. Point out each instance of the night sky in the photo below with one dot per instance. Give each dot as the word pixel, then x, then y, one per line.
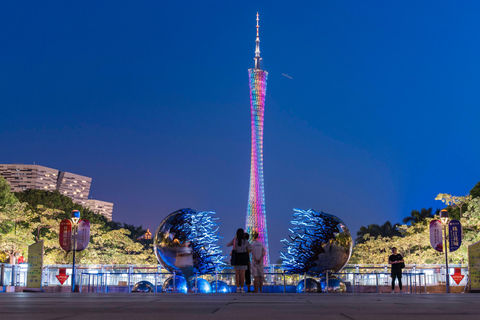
pixel 151 100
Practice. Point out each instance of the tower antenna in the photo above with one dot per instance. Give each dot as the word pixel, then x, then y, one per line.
pixel 257 48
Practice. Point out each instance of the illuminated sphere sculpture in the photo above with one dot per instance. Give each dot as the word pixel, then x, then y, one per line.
pixel 320 242
pixel 221 287
pixel 180 285
pixel 143 286
pixel 202 285
pixel 312 286
pixel 335 284
pixel 188 225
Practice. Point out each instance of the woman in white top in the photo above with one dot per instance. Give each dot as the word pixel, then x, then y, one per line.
pixel 240 245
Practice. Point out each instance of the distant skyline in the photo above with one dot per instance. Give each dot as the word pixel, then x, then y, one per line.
pixel 378 114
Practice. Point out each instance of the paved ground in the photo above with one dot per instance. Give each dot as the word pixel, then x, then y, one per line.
pixel 138 306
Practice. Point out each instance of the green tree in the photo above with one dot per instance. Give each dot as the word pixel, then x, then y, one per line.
pixel 6 197
pixel 418 216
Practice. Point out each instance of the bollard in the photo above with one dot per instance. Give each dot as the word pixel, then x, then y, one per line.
pixel 326 276
pixel 305 283
pixel 216 280
pixel 196 281
pixel 174 287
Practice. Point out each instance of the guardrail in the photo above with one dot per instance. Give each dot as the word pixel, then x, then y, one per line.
pixel 417 277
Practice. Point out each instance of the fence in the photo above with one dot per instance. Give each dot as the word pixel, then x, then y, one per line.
pixel 101 277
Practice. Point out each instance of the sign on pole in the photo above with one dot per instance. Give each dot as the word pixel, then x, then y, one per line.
pixel 65 235
pixel 454 235
pixel 62 276
pixel 436 237
pixel 83 235
pixel 35 265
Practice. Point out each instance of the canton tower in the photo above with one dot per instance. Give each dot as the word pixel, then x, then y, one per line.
pixel 256 214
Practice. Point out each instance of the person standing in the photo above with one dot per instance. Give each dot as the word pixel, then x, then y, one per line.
pixel 396 261
pixel 248 278
pixel 240 246
pixel 256 267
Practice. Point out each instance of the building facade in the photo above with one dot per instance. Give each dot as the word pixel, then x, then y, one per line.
pixel 23 177
pixel 100 207
pixel 256 213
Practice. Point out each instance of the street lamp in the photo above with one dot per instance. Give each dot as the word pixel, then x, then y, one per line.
pixel 444 217
pixel 75 217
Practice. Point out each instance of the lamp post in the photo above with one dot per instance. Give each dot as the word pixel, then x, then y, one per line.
pixel 74 218
pixel 444 217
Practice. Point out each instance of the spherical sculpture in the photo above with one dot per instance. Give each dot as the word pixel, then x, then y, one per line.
pixel 320 242
pixel 335 284
pixel 143 286
pixel 197 228
pixel 202 285
pixel 312 286
pixel 180 285
pixel 221 287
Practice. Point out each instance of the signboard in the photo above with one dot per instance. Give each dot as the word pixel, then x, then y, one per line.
pixel 62 276
pixel 35 265
pixel 65 235
pixel 474 266
pixel 83 235
pixel 436 238
pixel 454 235
pixel 457 276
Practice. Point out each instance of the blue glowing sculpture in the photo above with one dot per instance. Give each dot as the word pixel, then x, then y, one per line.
pixel 202 285
pixel 200 230
pixel 180 285
pixel 335 284
pixel 312 286
pixel 221 287
pixel 143 286
pixel 320 242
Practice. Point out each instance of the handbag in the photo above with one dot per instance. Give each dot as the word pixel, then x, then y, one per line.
pixel 233 254
pixel 402 265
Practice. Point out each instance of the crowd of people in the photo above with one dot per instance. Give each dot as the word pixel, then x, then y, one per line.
pixel 246 268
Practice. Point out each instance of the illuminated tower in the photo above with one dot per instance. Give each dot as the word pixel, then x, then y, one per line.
pixel 256 214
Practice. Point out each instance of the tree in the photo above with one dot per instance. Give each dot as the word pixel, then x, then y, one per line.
pixel 6 197
pixel 418 216
pixel 16 243
pixel 374 230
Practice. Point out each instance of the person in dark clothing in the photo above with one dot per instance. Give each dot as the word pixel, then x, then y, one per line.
pixel 396 261
pixel 248 279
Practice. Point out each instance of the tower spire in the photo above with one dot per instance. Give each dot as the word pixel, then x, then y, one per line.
pixel 257 48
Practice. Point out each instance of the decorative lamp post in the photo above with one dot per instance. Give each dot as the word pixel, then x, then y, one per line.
pixel 444 217
pixel 74 218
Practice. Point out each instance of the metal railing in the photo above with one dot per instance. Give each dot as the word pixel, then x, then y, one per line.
pixel 101 277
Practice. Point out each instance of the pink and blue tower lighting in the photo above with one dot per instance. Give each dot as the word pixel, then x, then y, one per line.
pixel 256 213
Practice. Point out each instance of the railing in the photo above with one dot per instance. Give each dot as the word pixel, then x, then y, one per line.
pixel 100 277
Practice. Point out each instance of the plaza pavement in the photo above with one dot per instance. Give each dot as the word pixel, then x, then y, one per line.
pixel 143 306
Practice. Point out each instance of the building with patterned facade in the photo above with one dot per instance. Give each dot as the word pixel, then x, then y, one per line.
pixel 22 177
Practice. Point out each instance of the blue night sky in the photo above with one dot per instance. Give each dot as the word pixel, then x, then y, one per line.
pixel 151 100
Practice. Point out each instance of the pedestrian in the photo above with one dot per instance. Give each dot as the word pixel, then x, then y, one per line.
pixel 240 260
pixel 248 279
pixel 184 262
pixel 396 261
pixel 258 252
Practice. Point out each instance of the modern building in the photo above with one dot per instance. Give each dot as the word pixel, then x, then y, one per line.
pixel 32 176
pixel 27 176
pixel 74 186
pixel 100 207
pixel 256 213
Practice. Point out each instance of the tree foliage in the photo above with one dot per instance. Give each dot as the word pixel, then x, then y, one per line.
pixel 414 242
pixel 37 214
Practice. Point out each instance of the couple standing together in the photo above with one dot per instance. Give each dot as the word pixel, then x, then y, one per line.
pixel 241 260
